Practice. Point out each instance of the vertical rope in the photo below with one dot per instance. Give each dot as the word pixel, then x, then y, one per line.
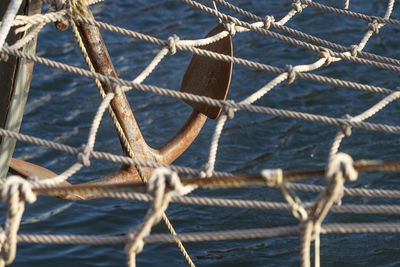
pixel 178 242
pixel 305 243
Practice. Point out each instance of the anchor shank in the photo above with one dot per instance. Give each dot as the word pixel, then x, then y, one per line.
pixel 102 63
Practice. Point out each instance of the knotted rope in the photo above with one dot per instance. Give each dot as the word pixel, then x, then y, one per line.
pixel 340 168
pixel 157 187
pixel 14 193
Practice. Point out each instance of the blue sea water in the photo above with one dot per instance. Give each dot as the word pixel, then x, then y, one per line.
pixel 61 107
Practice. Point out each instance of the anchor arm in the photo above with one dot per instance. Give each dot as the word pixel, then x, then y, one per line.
pixel 173 148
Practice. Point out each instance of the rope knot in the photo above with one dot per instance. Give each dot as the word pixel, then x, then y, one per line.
pixel 346 129
pixel 84 155
pixel 231 28
pixel 156 185
pixel 297 6
pixel 3 56
pixel 272 177
pixel 206 170
pixel 291 74
pixel 325 53
pixel 16 184
pixel 117 89
pixel 228 110
pixel 173 180
pixel 268 21
pixel 374 26
pixel 139 243
pixel 14 192
pixel 353 49
pixel 172 40
pixel 341 164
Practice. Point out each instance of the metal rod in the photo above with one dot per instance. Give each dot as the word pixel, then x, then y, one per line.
pixel 218 181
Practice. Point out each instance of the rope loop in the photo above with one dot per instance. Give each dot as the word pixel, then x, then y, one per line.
pixel 231 28
pixel 297 6
pixel 298 210
pixel 291 74
pixel 346 129
pixel 268 21
pixel 84 155
pixel 228 110
pixel 353 49
pixel 325 53
pixel 172 40
pixel 272 177
pixel 374 26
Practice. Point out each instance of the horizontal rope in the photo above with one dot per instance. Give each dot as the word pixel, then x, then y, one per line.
pixel 342 228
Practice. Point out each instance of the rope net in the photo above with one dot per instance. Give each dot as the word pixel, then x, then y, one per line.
pixel 171 183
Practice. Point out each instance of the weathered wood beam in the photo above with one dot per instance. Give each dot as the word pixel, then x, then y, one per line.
pixel 15 80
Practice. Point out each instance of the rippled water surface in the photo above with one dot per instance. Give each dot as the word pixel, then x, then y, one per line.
pixel 61 107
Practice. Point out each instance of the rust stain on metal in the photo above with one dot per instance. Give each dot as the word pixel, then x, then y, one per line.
pixel 62 25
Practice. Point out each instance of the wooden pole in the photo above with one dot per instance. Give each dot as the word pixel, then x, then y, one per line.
pixel 15 80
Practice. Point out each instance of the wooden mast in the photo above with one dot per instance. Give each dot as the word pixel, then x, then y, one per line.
pixel 15 80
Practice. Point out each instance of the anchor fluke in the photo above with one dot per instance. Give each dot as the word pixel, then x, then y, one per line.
pixel 209 77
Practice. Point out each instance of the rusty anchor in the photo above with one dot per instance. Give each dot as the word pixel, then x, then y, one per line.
pixel 204 76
